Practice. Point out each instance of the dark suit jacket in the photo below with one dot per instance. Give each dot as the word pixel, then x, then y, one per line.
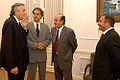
pixel 14 45
pixel 107 58
pixel 67 44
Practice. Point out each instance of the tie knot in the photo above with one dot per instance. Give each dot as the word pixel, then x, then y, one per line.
pixel 19 23
pixel 37 25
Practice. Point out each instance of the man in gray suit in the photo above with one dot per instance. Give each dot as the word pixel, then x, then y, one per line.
pixel 39 38
pixel 64 44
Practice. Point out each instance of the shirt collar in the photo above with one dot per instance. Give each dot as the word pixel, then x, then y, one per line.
pixel 107 30
pixel 16 19
pixel 36 24
pixel 60 29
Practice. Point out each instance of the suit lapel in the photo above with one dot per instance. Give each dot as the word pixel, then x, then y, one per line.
pixel 54 35
pixel 101 40
pixel 62 34
pixel 33 29
pixel 104 37
pixel 18 26
pixel 41 29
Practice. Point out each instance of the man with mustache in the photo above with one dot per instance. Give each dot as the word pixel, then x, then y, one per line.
pixel 106 64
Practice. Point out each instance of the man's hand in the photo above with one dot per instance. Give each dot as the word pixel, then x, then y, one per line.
pixel 24 22
pixel 14 70
pixel 40 46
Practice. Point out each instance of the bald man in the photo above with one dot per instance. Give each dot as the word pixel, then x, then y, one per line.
pixel 64 44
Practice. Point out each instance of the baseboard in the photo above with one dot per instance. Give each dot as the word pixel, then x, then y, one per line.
pixel 50 68
pixel 76 77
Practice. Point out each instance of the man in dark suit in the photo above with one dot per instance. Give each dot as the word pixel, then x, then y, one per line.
pixel 14 46
pixel 39 38
pixel 107 58
pixel 64 44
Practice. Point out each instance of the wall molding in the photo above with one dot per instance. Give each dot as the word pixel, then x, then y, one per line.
pixel 89 38
pixel 78 51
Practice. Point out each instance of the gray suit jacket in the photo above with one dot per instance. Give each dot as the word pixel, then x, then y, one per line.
pixel 67 44
pixel 36 55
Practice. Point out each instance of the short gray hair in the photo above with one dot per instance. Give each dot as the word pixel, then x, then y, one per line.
pixel 14 8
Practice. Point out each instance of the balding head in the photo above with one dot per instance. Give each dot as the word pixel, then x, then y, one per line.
pixel 59 20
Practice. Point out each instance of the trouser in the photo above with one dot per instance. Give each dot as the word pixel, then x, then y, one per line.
pixel 61 74
pixel 32 68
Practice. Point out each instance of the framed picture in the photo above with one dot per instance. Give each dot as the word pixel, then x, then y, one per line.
pixel 111 7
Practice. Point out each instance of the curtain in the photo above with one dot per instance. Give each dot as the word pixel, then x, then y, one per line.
pixel 52 7
pixel 31 4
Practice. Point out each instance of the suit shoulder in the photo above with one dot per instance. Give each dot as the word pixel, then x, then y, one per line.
pixel 69 29
pixel 53 28
pixel 45 25
pixel 113 33
pixel 30 23
pixel 10 20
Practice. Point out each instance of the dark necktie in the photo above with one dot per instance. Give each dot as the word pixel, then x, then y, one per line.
pixel 56 42
pixel 37 30
pixel 20 24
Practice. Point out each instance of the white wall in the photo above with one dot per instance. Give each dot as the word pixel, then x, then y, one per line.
pixel 81 16
pixel 5 7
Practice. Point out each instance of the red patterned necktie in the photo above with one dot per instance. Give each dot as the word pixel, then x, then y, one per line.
pixel 56 42
pixel 101 36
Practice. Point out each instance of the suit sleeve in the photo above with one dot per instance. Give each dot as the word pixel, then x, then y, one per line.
pixel 8 44
pixel 114 50
pixel 31 44
pixel 73 41
pixel 48 38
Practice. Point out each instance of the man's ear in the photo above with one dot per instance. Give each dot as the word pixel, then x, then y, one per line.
pixel 62 21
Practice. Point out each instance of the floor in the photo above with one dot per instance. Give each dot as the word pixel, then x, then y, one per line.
pixel 49 75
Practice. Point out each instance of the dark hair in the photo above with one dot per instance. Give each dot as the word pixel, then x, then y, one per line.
pixel 39 9
pixel 14 8
pixel 110 19
pixel 63 19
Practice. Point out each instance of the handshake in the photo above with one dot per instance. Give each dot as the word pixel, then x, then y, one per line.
pixel 40 46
